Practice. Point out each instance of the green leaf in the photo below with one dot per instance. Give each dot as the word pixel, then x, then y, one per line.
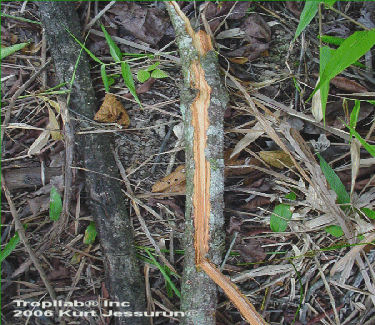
pixel 334 230
pixel 349 52
pixel 143 75
pixel 369 213
pixel 9 247
pixel 129 81
pixel 280 217
pixel 334 181
pixel 90 234
pixel 55 204
pixel 6 51
pixel 152 67
pixel 104 78
pixel 113 48
pixel 158 74
pixel 332 39
pixel 325 54
pixel 291 196
pixel 369 147
pixel 86 49
pixel 165 275
pixel 308 13
pixel 354 114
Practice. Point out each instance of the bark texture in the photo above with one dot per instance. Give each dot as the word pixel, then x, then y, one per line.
pixel 199 292
pixel 93 152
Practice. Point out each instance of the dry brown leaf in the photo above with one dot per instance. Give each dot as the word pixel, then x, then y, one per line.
pixel 239 60
pixel 355 147
pixel 39 143
pixel 112 111
pixel 171 182
pixel 254 133
pixel 54 126
pixel 348 85
pixel 145 23
pixel 277 158
pixel 316 105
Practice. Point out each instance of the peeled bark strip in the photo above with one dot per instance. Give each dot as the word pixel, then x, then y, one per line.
pixel 106 200
pixel 203 102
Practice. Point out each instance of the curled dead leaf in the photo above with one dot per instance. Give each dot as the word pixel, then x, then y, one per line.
pixel 172 182
pixel 112 111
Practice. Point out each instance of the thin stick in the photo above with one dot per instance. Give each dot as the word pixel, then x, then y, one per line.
pixel 21 232
pixel 101 13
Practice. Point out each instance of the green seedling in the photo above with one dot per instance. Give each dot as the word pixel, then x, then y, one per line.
pixel 151 72
pixel 165 271
pixel 55 205
pixel 282 213
pixel 117 56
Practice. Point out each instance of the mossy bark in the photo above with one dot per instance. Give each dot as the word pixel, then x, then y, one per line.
pixel 93 152
pixel 199 292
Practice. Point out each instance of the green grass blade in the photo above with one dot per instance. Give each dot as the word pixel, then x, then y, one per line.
pixel 369 213
pixel 332 40
pixel 165 275
pixel 325 54
pixel 104 78
pixel 113 48
pixel 92 55
pixel 349 52
pixel 354 114
pixel 129 81
pixel 369 147
pixel 308 13
pixel 6 51
pixel 334 181
pixel 10 246
pixel 21 19
pixel 55 204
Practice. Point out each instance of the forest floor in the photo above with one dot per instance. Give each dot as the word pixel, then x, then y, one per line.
pixel 286 251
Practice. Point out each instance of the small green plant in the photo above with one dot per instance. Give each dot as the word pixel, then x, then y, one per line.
pixel 55 204
pixel 118 57
pixel 11 245
pixel 281 214
pixel 90 234
pixel 151 72
pixel 165 271
pixel 334 61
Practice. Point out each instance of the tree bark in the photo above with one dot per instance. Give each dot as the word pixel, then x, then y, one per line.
pixel 93 152
pixel 199 292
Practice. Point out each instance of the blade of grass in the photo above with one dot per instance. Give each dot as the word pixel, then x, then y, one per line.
pixel 6 51
pixel 113 48
pixel 369 147
pixel 334 181
pixel 85 48
pixel 104 78
pixel 354 114
pixel 325 55
pixel 348 52
pixel 165 275
pixel 308 13
pixel 129 81
pixel 10 246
